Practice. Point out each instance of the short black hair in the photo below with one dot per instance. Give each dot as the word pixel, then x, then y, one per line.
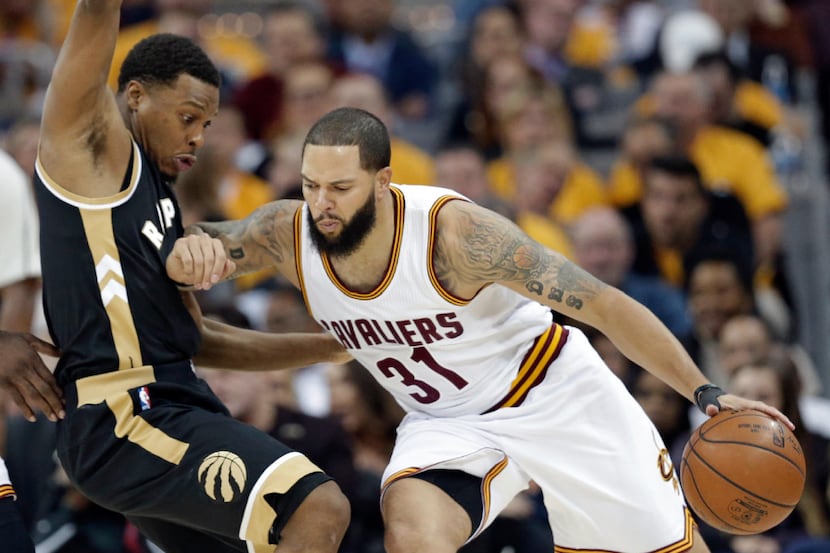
pixel 726 254
pixel 677 166
pixel 353 127
pixel 715 58
pixel 161 58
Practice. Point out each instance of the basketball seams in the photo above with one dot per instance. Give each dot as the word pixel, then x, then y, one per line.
pixel 687 469
pixel 756 446
pixel 736 485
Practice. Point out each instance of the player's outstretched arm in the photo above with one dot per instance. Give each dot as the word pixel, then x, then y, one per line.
pixel 476 247
pixel 228 347
pixel 210 252
pixel 80 114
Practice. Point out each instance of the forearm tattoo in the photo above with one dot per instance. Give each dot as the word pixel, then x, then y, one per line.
pixel 484 247
pixel 263 239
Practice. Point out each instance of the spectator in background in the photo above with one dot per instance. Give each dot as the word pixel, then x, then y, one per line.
pixel 531 117
pixel 292 33
pixel 734 19
pixel 503 76
pixel 541 173
pixel 644 139
pixel 237 57
pixel 603 245
pixel 410 164
pixel 27 39
pixel 667 409
pixel 737 102
pixel 229 191
pixel 496 33
pixel 570 44
pixel 718 287
pixel 727 160
pixel 747 338
pixel 306 96
pixel 364 40
pixel 240 191
pixel 677 216
pixel 461 167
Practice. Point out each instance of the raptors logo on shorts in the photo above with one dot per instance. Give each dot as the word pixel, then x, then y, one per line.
pixel 222 475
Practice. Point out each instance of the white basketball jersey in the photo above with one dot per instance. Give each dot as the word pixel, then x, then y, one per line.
pixel 434 352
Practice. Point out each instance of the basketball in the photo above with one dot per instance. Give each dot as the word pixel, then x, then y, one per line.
pixel 742 472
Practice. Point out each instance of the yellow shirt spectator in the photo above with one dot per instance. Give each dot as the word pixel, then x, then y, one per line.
pixel 583 188
pixel 753 103
pixel 239 195
pixel 728 161
pixel 545 231
pixel 410 164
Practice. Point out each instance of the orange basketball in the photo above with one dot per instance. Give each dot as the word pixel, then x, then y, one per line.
pixel 742 472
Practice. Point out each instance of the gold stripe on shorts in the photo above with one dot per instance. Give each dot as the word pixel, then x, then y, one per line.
pixel 278 478
pixel 142 433
pixel 534 366
pixel 486 493
pixel 6 490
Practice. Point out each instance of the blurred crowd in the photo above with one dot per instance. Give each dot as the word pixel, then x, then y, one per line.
pixel 657 143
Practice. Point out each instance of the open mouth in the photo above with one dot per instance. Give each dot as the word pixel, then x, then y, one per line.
pixel 184 162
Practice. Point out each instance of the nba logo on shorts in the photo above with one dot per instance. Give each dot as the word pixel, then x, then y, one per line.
pixel 144 398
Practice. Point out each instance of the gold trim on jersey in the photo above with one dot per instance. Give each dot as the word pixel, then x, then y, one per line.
pixel 97 388
pixel 298 255
pixel 6 490
pixel 393 260
pixel 278 478
pixel 433 278
pixel 142 433
pixel 534 366
pixel 684 544
pixel 83 202
pixel 100 237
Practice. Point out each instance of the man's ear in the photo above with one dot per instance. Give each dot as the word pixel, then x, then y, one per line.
pixel 382 179
pixel 133 94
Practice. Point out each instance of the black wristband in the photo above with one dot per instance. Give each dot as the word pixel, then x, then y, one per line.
pixel 706 395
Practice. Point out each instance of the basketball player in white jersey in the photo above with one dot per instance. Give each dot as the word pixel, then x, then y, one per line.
pixel 450 307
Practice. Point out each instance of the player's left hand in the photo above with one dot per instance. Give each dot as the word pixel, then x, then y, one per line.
pixel 737 403
pixel 26 378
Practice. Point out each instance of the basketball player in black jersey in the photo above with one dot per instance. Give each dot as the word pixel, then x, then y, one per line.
pixel 142 435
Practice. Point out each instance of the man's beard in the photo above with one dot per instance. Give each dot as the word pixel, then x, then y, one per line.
pixel 352 235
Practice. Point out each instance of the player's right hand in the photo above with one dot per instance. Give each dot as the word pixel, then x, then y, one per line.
pixel 198 260
pixel 26 378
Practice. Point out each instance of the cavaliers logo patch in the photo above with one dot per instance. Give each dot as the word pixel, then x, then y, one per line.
pixel 222 475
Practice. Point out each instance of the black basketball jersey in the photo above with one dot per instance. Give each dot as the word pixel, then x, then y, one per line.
pixel 108 301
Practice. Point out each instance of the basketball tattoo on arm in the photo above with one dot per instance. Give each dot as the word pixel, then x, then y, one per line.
pixel 263 239
pixel 482 247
